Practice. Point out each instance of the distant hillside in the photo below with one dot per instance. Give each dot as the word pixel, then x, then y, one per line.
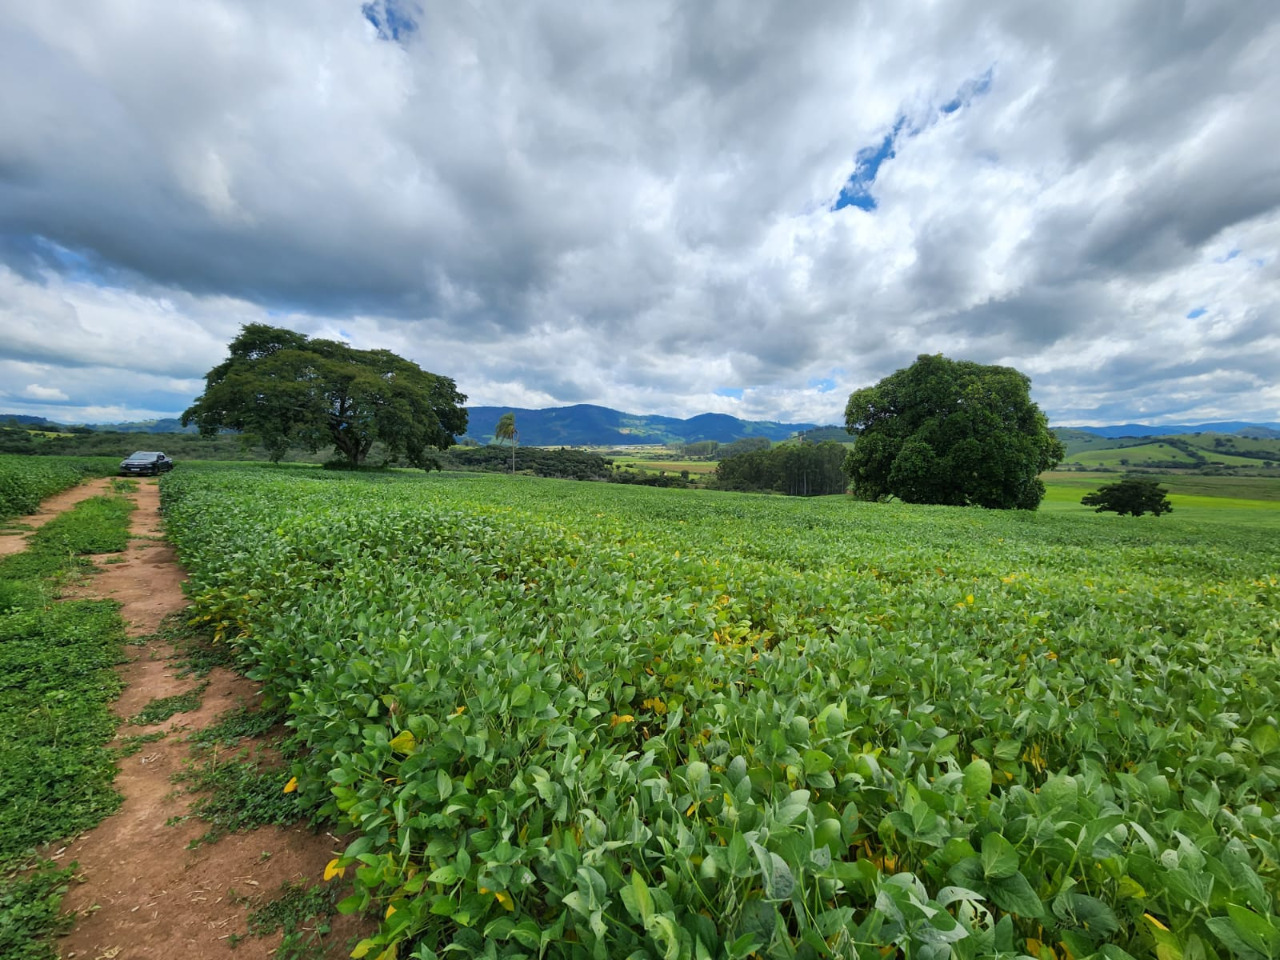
pixel 31 423
pixel 588 425
pixel 1253 448
pixel 1168 430
pixel 166 425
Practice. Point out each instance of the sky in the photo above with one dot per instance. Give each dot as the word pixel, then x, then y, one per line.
pixel 749 208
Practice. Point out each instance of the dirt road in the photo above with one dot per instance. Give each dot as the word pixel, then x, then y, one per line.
pixel 141 892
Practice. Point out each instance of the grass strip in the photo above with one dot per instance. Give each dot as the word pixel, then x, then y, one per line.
pixel 30 905
pixel 56 686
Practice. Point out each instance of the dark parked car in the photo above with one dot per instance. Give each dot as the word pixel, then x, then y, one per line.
pixel 145 463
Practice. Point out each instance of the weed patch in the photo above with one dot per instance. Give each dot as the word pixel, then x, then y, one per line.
pixel 30 916
pixel 162 708
pixel 61 546
pixel 301 913
pixel 239 724
pixel 56 683
pixel 239 792
pixel 198 654
pixel 131 745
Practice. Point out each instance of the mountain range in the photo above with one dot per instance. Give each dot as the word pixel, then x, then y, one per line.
pixel 589 425
pixel 1243 428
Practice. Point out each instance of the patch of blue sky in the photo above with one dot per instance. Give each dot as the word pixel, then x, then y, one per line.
pixel 969 91
pixel 1197 313
pixel 1229 256
pixel 393 19
pixel 823 384
pixel 733 393
pixel 72 264
pixel 856 191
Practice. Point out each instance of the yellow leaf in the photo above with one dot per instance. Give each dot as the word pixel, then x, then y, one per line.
pixel 404 742
pixel 332 870
pixel 505 900
pixel 292 785
pixel 484 890
pixel 390 911
pixel 625 718
pixel 969 598
pixel 1154 922
pixel 459 712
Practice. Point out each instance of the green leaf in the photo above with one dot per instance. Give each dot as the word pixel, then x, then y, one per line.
pixel 446 874
pixel 977 780
pixel 779 882
pixel 1088 914
pixel 739 856
pixel 815 761
pixel 637 899
pixel 999 858
pixel 1229 936
pixel 1014 894
pixel 1257 931
pixel 793 808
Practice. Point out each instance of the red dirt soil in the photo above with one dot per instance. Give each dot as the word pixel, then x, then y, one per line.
pixel 141 892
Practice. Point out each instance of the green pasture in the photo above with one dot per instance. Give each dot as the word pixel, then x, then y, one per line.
pixel 1135 454
pixel 670 466
pixel 1247 502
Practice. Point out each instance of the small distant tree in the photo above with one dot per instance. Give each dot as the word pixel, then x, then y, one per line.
pixel 506 431
pixel 1133 495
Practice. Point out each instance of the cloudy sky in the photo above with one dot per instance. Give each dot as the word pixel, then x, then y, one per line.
pixel 664 207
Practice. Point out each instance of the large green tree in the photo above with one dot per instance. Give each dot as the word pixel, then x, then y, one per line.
pixel 284 389
pixel 950 432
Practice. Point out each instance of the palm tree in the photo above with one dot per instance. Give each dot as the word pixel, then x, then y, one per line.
pixel 506 430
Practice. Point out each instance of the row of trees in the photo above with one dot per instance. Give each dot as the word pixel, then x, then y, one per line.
pixel 798 470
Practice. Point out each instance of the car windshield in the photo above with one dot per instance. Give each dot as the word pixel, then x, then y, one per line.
pixel 143 455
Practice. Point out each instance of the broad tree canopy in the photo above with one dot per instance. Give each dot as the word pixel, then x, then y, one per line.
pixel 1135 495
pixel 286 389
pixel 950 432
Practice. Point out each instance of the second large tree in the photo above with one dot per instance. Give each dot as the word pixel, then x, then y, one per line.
pixel 950 432
pixel 286 390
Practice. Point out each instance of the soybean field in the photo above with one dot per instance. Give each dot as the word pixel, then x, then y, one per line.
pixel 590 720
